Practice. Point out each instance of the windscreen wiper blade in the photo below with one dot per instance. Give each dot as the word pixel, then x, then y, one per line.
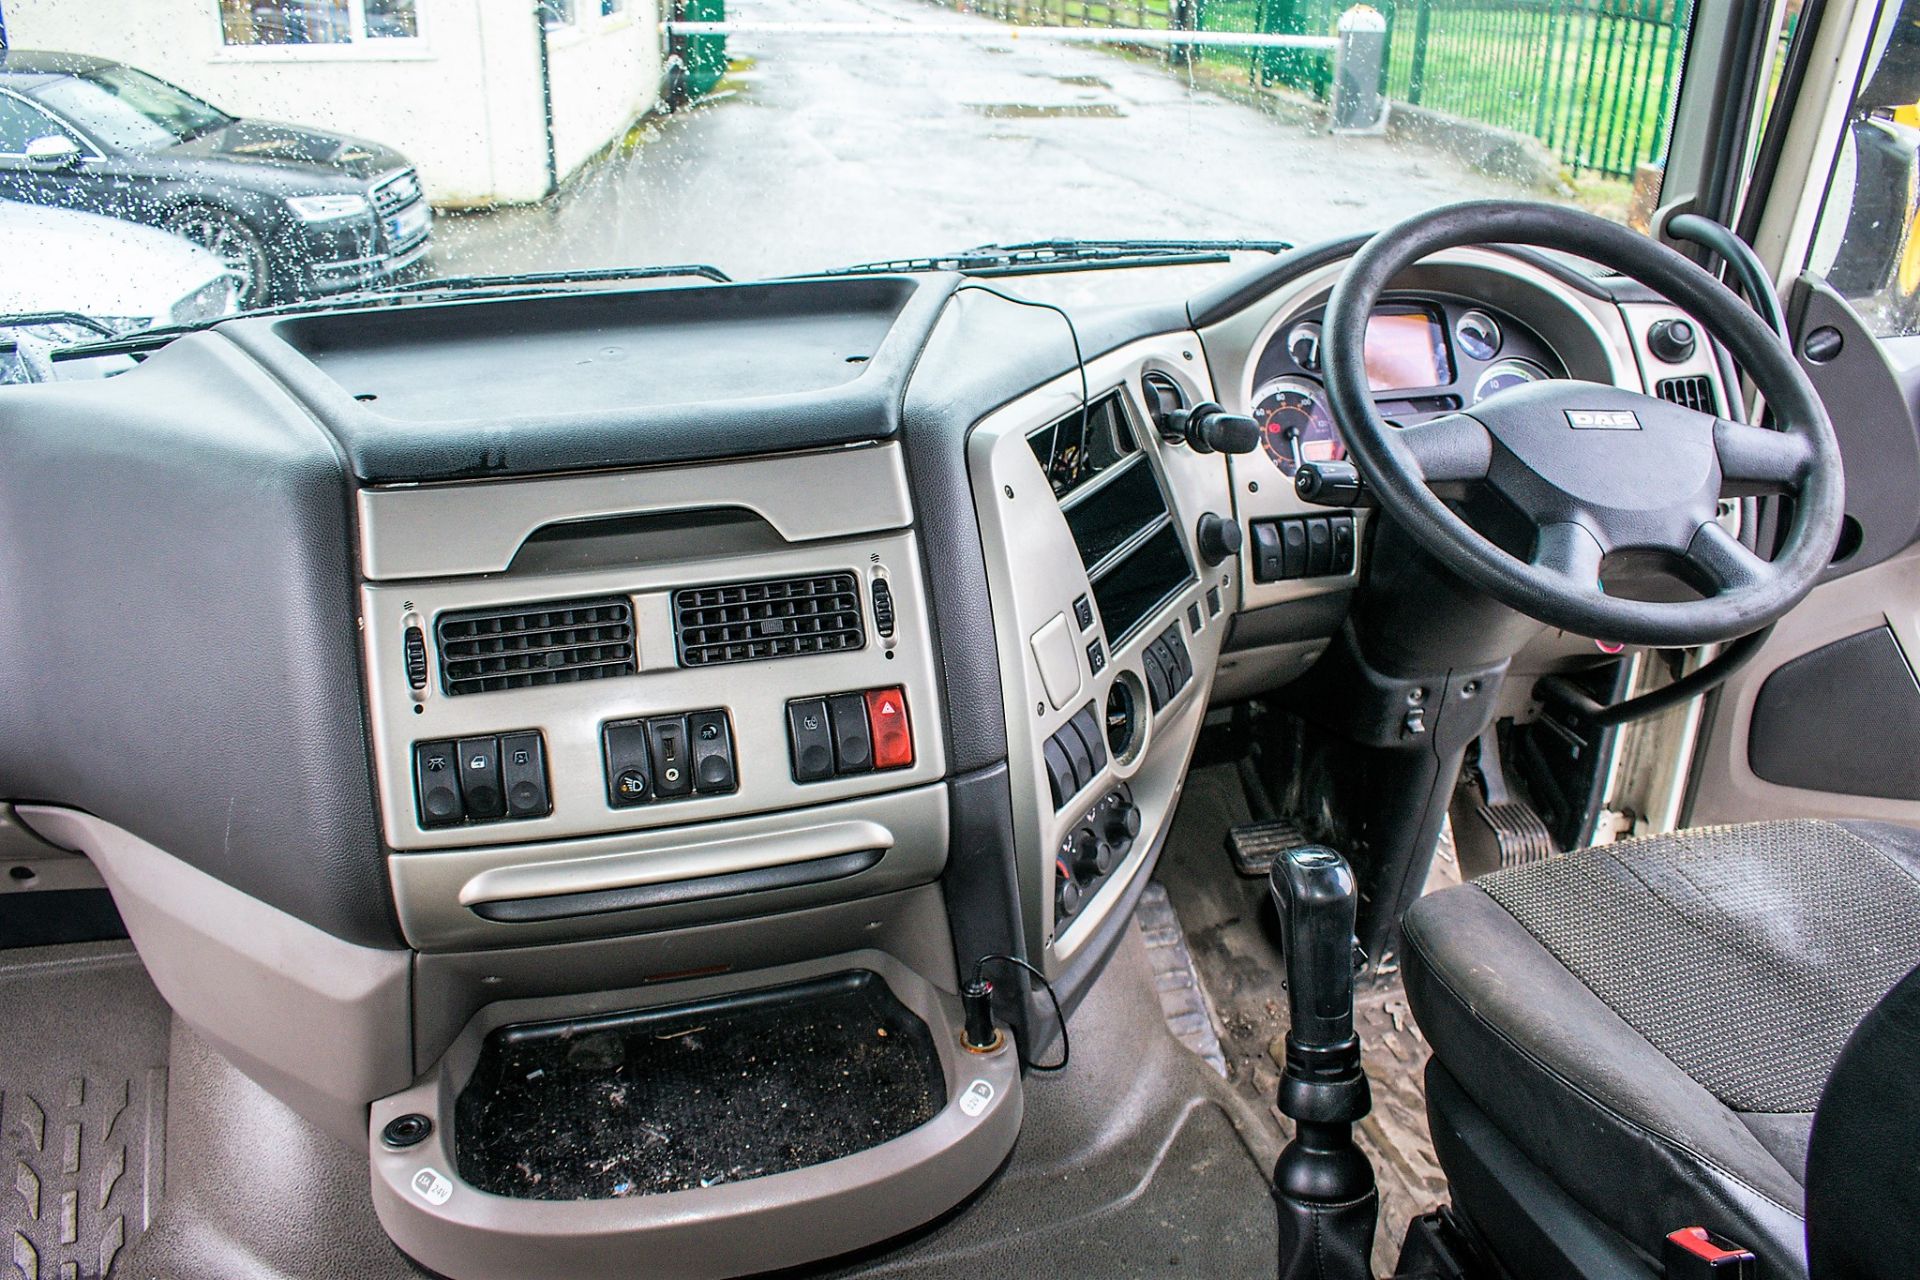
pixel 435 288
pixel 40 319
pixel 1036 257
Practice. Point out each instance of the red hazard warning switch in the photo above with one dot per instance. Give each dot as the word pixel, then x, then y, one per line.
pixel 892 736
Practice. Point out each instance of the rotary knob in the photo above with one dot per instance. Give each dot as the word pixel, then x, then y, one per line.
pixel 1067 894
pixel 1090 856
pixel 1120 825
pixel 1218 536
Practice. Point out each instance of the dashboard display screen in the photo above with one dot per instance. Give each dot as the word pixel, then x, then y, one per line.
pixel 1406 349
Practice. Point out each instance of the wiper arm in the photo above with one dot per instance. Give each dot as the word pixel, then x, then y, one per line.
pixel 1036 257
pixel 465 284
pixel 437 288
pixel 39 319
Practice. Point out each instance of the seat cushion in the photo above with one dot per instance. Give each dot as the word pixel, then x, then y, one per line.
pixel 1651 1022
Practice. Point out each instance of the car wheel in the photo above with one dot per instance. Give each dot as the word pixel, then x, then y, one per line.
pixel 232 241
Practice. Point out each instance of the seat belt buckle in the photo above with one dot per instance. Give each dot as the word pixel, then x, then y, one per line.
pixel 1695 1253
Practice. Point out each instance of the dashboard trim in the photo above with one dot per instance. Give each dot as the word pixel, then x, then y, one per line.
pixel 403 528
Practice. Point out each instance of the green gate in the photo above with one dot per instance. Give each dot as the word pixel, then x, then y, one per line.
pixel 1592 79
pixel 705 56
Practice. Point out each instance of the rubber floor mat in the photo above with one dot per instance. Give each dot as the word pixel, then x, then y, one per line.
pixel 83 1087
pixel 695 1095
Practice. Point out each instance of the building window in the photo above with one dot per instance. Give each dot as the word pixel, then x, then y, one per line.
pixel 556 13
pixel 610 7
pixel 316 22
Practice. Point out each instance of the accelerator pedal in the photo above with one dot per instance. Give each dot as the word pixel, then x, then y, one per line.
pixel 1493 825
pixel 1255 845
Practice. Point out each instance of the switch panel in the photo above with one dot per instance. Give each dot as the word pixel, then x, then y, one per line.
pixel 1303 547
pixel 1074 755
pixel 849 733
pixel 668 757
pixel 481 779
pixel 1169 666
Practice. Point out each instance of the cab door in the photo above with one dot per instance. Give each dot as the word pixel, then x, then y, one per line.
pixel 1825 721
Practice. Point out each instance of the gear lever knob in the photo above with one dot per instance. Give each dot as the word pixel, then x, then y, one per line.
pixel 1323 1187
pixel 1313 890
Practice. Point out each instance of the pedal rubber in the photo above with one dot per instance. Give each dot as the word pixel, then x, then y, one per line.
pixel 1254 846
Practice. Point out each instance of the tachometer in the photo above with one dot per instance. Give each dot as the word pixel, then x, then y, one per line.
pixel 1295 426
pixel 1507 374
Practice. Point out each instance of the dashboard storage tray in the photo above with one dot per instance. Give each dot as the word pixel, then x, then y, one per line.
pixel 696 1095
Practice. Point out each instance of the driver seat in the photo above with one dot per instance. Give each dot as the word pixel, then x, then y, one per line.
pixel 1633 1039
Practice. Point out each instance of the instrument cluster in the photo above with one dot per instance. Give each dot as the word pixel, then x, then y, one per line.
pixel 1425 356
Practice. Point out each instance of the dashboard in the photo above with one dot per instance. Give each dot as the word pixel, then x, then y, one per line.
pixel 545 656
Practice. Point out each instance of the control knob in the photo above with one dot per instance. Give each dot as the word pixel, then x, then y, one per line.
pixel 1671 341
pixel 1120 825
pixel 1219 538
pixel 1091 855
pixel 1067 894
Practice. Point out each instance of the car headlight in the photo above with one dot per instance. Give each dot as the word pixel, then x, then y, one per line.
pixel 328 208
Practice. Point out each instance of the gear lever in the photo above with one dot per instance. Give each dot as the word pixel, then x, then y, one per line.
pixel 1323 1184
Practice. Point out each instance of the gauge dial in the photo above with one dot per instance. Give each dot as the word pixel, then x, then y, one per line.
pixel 1295 426
pixel 1303 344
pixel 1478 335
pixel 1506 375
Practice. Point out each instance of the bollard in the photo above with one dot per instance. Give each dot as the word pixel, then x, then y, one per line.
pixel 1360 72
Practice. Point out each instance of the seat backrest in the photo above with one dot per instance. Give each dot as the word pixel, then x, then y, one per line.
pixel 1863 1163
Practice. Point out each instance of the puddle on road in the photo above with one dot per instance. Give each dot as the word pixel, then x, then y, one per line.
pixel 1048 111
pixel 1084 82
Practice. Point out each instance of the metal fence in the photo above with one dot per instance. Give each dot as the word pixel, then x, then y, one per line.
pixel 1591 79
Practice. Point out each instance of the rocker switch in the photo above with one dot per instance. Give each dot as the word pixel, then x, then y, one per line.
pixel 672 769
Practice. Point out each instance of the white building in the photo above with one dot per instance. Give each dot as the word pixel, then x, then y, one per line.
pixel 495 101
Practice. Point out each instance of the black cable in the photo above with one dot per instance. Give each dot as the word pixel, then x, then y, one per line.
pixel 1565 693
pixel 1066 1046
pixel 1080 362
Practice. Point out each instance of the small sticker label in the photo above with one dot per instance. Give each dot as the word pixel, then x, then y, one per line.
pixel 430 1185
pixel 975 1099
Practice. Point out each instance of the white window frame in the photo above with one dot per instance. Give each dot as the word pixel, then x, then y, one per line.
pixel 359 47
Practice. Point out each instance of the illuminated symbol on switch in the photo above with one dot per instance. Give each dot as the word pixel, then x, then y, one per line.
pixel 887 708
pixel 672 774
pixel 436 764
pixel 708 732
pixel 810 723
pixel 520 757
pixel 478 762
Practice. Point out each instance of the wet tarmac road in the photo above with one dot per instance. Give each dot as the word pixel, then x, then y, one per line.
pixel 828 150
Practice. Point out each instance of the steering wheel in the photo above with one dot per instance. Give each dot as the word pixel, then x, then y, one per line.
pixel 1594 469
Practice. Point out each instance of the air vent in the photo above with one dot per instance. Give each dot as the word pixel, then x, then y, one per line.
pixel 518 647
pixel 1694 393
pixel 779 618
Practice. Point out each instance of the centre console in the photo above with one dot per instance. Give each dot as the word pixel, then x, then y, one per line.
pixel 1109 612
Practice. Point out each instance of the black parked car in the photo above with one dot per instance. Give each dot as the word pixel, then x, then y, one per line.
pixel 293 211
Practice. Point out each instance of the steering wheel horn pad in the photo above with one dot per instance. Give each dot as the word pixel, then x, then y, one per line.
pixel 1596 469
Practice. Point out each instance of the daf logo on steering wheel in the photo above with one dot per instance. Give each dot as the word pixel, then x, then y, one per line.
pixel 1603 420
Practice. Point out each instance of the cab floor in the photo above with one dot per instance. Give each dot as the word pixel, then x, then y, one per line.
pixel 1148 1156
pixel 1232 934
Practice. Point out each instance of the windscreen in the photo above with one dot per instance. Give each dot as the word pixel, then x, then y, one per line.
pixel 361 145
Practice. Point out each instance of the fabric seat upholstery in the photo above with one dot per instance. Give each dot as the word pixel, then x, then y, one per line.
pixel 1651 1023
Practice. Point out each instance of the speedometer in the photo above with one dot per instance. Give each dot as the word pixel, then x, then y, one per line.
pixel 1295 426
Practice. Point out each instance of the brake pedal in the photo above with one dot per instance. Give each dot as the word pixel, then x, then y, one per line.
pixel 1254 845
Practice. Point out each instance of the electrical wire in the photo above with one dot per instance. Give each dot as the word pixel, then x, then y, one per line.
pixel 1080 362
pixel 1066 1046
